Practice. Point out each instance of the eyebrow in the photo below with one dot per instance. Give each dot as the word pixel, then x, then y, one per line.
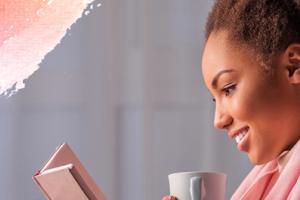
pixel 217 76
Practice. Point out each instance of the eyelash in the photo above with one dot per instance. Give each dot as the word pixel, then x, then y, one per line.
pixel 227 90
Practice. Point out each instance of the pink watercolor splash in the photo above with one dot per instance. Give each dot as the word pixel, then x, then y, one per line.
pixel 29 29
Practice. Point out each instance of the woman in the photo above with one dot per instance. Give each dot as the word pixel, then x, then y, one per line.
pixel 251 66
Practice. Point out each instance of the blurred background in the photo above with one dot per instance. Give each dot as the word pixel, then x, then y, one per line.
pixel 124 89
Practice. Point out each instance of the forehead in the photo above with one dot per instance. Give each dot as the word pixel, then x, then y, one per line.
pixel 222 54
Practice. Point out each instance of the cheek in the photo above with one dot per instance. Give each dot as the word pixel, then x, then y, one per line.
pixel 242 107
pixel 253 105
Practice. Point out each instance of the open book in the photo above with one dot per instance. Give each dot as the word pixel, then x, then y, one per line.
pixel 65 178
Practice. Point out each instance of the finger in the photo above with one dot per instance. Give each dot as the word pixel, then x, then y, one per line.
pixel 169 198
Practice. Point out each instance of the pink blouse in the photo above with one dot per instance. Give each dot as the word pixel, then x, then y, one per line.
pixel 278 179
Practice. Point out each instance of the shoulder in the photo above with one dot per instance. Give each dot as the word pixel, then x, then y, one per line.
pixel 295 192
pixel 254 183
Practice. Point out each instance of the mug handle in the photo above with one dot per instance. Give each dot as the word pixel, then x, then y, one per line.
pixel 195 188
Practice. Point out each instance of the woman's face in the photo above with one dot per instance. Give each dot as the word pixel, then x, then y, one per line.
pixel 257 109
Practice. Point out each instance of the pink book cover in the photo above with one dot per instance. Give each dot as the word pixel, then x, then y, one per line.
pixel 65 178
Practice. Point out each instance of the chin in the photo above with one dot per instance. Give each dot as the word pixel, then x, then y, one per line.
pixel 258 159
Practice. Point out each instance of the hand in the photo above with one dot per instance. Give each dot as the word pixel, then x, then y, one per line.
pixel 169 198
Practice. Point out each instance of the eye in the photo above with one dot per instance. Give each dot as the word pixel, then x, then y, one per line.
pixel 229 89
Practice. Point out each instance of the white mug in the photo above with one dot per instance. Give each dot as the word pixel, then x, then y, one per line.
pixel 198 185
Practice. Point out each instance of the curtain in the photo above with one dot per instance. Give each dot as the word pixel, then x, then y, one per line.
pixel 124 89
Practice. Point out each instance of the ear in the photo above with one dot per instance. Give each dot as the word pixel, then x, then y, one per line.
pixel 292 63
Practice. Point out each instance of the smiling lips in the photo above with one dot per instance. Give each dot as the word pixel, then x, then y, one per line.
pixel 239 134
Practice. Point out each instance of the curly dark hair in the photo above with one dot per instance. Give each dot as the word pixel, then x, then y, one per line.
pixel 268 26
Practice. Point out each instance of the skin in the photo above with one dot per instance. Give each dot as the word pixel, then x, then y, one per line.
pixel 247 96
pixel 169 198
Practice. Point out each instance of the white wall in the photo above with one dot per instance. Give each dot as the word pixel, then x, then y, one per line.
pixel 124 88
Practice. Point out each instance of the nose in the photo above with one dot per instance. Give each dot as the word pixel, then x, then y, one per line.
pixel 222 118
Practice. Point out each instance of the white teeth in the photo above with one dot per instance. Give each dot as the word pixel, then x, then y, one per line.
pixel 240 136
